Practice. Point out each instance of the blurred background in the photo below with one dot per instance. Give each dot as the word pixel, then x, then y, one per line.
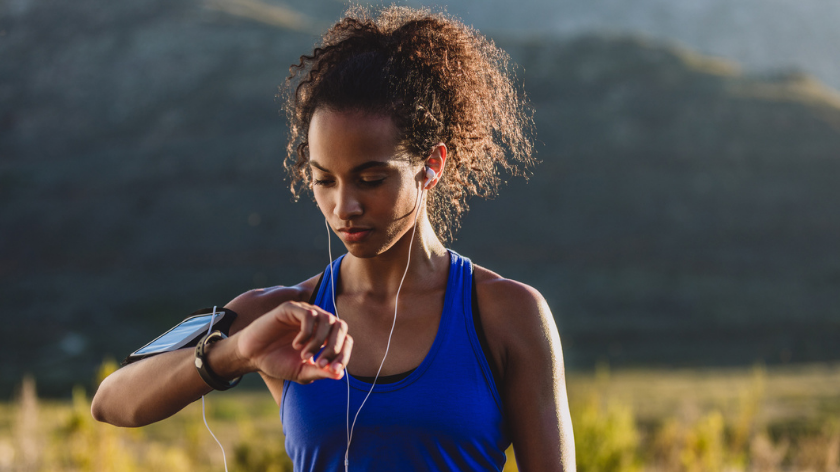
pixel 682 223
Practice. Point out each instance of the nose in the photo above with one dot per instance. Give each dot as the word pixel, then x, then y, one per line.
pixel 347 205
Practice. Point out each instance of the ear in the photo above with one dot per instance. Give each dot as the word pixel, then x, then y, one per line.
pixel 436 161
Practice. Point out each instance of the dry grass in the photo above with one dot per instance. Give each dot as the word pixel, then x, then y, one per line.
pixel 658 421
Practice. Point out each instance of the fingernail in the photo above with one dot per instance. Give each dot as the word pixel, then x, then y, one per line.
pixel 323 363
pixel 337 367
pixel 307 356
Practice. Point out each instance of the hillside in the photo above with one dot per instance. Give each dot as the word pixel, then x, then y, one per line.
pixel 762 35
pixel 686 209
pixel 682 214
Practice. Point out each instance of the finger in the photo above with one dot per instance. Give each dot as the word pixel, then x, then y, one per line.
pixel 334 343
pixel 319 337
pixel 310 372
pixel 308 319
pixel 340 361
pixel 291 323
pixel 301 313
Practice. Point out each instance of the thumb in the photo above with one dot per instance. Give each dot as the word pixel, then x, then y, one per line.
pixel 310 372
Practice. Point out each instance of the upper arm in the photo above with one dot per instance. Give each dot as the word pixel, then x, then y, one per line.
pixel 525 345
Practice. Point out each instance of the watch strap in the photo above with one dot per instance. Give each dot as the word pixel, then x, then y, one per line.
pixel 207 374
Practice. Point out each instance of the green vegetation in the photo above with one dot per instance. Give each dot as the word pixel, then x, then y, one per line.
pixel 663 421
pixel 708 420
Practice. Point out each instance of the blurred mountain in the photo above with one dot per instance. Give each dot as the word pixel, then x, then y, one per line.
pixel 683 213
pixel 762 35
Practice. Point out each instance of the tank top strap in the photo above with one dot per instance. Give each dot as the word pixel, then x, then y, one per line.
pixel 445 415
pixel 456 337
pixel 468 342
pixel 324 299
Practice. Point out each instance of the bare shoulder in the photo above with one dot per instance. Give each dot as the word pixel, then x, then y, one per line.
pixel 515 316
pixel 524 341
pixel 508 302
pixel 255 303
pixel 510 293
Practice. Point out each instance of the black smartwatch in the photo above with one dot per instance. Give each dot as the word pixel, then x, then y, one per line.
pixel 211 378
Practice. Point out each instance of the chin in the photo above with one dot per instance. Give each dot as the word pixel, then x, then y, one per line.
pixel 363 250
pixel 367 249
pixel 376 246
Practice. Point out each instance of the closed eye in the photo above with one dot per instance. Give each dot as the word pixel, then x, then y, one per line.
pixel 372 182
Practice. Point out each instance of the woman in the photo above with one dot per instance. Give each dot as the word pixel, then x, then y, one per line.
pixel 395 121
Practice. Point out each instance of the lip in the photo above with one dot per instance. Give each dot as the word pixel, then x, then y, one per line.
pixel 354 235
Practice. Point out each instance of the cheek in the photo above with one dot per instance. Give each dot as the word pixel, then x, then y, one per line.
pixel 407 201
pixel 321 200
pixel 402 201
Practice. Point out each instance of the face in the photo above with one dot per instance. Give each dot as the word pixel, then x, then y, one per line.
pixel 364 185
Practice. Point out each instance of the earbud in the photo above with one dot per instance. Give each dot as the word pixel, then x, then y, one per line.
pixel 430 177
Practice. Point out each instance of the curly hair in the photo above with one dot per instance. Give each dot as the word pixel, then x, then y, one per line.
pixel 439 80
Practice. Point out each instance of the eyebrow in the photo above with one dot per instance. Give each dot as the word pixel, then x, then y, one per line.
pixel 359 168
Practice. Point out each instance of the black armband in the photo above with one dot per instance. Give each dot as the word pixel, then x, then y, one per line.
pixel 186 333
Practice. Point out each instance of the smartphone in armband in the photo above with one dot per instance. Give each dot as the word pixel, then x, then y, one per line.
pixel 185 334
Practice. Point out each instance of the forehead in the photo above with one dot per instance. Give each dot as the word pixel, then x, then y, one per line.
pixel 340 140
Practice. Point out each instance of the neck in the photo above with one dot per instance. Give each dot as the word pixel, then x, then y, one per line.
pixel 381 275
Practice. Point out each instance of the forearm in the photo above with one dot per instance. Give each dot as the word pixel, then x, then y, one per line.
pixel 158 387
pixel 278 344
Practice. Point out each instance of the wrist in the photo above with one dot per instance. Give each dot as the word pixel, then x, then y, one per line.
pixel 215 364
pixel 227 355
pixel 241 364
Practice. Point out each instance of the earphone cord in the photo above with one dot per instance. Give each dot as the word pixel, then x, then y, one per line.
pixel 203 415
pixel 350 428
pixel 335 307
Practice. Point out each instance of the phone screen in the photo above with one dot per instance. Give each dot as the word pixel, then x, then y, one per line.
pixel 180 334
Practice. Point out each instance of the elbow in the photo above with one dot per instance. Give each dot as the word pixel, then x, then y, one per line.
pixel 107 408
pixel 99 406
pixel 104 414
pixel 96 411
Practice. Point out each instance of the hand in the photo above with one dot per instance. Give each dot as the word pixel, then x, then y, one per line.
pixel 283 342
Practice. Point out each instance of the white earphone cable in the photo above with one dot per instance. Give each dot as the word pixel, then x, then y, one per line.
pixel 350 428
pixel 203 414
pixel 420 195
pixel 335 307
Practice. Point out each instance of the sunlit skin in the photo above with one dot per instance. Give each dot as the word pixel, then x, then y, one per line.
pixel 365 187
pixel 367 190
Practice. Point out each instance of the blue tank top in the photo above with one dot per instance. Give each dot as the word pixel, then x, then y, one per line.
pixel 446 415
